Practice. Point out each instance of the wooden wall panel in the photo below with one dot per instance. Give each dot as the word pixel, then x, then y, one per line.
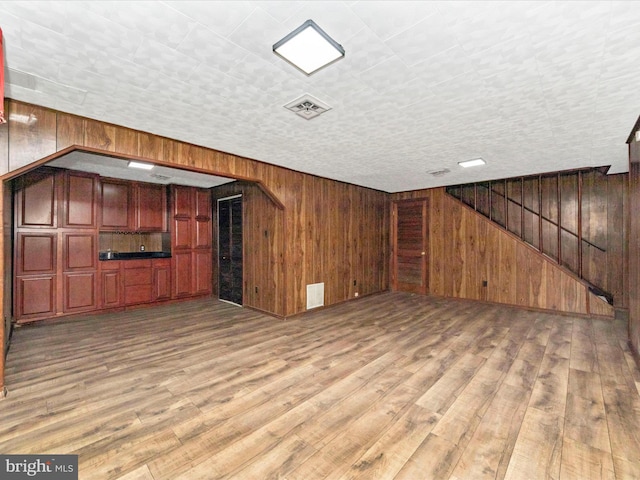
pixel 515 273
pixel 32 134
pixel 327 231
pixel 70 130
pixel 634 247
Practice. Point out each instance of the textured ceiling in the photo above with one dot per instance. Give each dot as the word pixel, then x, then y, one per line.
pixel 529 86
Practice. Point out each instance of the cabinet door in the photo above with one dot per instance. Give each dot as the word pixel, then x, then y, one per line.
pixel 116 206
pixel 202 272
pixel 80 200
pixel 79 291
pixel 151 207
pixel 36 199
pixel 35 253
pixel 181 233
pixel 202 233
pixel 203 203
pixel 79 251
pixel 161 281
pixel 111 288
pixel 35 296
pixel 182 274
pixel 182 201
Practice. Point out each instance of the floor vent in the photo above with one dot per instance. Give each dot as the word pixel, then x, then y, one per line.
pixel 315 295
pixel 307 107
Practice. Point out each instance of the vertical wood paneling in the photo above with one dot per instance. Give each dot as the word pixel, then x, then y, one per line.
pixel 70 130
pixel 99 135
pixel 634 246
pixel 150 146
pixel 126 141
pixel 515 273
pixel 32 134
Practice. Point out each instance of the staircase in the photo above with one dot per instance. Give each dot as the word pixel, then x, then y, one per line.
pixel 575 218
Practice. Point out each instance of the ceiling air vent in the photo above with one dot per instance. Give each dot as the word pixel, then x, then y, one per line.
pixel 159 177
pixel 307 107
pixel 439 173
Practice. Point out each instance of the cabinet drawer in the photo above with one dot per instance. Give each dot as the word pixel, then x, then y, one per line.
pixel 130 264
pixel 137 276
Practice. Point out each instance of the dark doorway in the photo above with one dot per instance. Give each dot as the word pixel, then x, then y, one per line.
pixel 230 249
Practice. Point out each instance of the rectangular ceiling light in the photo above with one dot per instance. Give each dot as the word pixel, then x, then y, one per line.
pixel 472 163
pixel 309 48
pixel 140 165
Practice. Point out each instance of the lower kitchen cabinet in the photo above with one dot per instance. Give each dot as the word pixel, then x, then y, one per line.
pixel 138 276
pixel 35 296
pixel 161 280
pixel 134 282
pixel 111 277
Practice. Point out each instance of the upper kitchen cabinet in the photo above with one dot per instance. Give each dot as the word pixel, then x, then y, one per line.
pixel 133 206
pixel 36 199
pixel 116 206
pixel 151 207
pixel 80 200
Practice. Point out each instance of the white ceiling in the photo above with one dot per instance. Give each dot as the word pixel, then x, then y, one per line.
pixel 117 168
pixel 529 86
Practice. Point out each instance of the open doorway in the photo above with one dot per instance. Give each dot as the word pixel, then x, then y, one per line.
pixel 230 255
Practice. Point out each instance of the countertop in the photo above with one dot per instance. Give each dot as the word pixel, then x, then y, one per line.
pixel 132 255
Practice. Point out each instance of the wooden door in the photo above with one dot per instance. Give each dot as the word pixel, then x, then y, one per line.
pixel 410 245
pixel 230 249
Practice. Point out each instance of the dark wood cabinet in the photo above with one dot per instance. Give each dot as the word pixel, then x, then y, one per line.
pixel 79 291
pixel 182 273
pixel 138 276
pixel 161 279
pixel 150 207
pixel 80 200
pixel 111 278
pixel 35 296
pixel 36 199
pixel 133 206
pixel 116 206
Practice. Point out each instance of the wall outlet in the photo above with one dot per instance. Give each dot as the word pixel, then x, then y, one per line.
pixel 484 283
pixel 356 294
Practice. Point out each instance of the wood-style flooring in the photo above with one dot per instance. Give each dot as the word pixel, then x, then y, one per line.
pixel 393 386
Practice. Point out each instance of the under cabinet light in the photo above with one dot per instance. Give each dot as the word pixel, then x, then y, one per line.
pixel 308 48
pixel 472 163
pixel 143 166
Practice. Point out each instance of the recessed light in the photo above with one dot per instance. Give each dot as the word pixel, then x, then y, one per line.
pixel 140 165
pixel 308 48
pixel 472 163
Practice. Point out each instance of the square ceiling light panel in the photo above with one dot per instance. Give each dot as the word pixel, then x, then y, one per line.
pixel 472 163
pixel 309 48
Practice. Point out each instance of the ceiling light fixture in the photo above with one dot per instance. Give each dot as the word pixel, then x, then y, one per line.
pixel 472 163
pixel 309 48
pixel 140 165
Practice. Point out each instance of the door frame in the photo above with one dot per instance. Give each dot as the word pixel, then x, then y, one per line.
pixel 395 284
pixel 218 200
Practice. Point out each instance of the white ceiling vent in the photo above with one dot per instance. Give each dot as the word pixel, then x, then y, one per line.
pixel 307 107
pixel 439 173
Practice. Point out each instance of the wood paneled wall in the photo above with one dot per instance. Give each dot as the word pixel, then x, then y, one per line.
pixel 332 232
pixel 466 249
pixel 582 222
pixel 634 246
pixel 263 240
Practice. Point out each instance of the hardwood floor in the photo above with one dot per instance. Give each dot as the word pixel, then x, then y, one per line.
pixel 393 386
